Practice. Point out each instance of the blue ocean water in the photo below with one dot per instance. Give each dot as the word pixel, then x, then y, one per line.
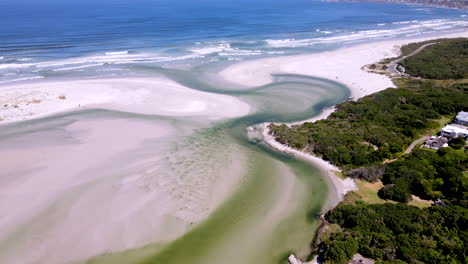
pixel 40 40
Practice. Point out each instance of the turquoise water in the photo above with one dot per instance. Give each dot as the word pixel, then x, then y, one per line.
pixel 107 38
pixel 275 208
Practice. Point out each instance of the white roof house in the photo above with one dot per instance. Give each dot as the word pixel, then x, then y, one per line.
pixel 462 118
pixel 454 131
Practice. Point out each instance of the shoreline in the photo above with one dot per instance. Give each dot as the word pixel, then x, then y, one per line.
pixel 155 96
pixel 343 65
pixel 401 3
pixel 140 95
pixel 263 68
pixel 340 186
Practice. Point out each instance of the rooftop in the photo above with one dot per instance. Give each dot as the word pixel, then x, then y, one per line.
pixel 462 116
pixel 456 128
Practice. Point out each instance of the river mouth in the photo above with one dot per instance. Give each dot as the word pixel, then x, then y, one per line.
pixel 185 189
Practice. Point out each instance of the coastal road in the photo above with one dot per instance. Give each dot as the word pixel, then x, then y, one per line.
pixel 415 143
pixel 392 67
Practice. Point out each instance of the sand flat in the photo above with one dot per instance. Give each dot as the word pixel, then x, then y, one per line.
pixel 84 184
pixel 154 96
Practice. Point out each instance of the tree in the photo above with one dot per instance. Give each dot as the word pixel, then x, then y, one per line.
pixel 457 143
pixel 399 192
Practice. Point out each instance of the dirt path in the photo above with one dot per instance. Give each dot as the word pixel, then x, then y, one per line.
pixel 416 142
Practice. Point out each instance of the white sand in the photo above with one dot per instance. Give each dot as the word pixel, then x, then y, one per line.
pixel 340 187
pixel 342 65
pixel 80 189
pixel 97 185
pixel 66 200
pixel 157 96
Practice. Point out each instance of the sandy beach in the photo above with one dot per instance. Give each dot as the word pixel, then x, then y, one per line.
pixel 159 171
pixel 153 96
pixel 342 65
pixel 123 126
pixel 62 170
pixel 339 186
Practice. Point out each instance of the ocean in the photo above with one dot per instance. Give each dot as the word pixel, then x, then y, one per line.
pixel 124 173
pixel 50 40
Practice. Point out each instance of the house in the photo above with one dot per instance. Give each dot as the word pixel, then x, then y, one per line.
pixel 462 118
pixel 436 142
pixel 439 203
pixel 454 131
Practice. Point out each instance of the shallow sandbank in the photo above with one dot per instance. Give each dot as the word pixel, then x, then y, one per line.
pixel 154 96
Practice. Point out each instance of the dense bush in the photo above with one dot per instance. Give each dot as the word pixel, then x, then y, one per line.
pixel 375 127
pixel 398 233
pixel 428 175
pixel 341 249
pixel 389 121
pixel 447 60
pixel 457 143
pixel 399 192
pixel 371 174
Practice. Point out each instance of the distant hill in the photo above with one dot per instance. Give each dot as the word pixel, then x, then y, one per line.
pixel 439 3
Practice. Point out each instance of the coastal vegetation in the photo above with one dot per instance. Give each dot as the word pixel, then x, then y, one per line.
pixel 429 175
pixel 447 60
pixel 397 233
pixel 367 139
pixel 376 127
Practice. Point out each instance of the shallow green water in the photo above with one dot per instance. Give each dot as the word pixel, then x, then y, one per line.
pixel 275 211
pixel 275 208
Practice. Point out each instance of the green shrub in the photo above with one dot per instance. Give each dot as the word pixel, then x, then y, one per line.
pixel 457 143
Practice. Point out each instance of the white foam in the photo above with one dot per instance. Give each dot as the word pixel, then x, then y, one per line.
pixel 166 58
pixel 412 28
pixel 289 43
pixel 222 48
pixel 275 52
pixel 212 48
pixel 78 67
pixel 117 53
pixel 23 79
pixel 424 9
pixel 405 22
pixel 238 52
pixel 15 65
